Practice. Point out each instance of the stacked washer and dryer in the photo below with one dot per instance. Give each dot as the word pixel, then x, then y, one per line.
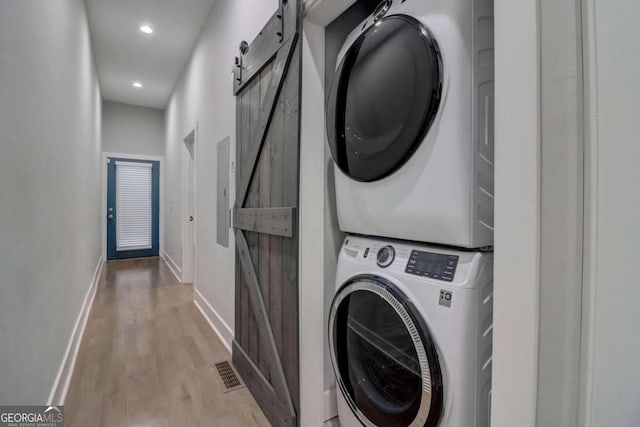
pixel 410 127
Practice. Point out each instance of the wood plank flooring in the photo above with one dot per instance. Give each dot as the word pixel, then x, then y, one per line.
pixel 147 357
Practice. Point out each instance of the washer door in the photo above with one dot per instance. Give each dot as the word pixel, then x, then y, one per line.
pixel 384 359
pixel 384 97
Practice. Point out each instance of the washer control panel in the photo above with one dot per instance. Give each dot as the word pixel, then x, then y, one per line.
pixel 434 266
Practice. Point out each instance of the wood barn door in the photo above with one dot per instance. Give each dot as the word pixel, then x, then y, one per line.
pixel 267 79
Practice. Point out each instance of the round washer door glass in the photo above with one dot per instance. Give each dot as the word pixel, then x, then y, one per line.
pixel 386 365
pixel 384 97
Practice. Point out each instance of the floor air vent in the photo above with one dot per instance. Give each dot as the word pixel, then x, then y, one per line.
pixel 228 376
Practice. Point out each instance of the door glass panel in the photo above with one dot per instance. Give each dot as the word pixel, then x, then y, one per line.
pixel 377 360
pixel 133 206
pixel 384 98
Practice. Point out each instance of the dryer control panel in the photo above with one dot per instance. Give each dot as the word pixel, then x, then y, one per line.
pixel 434 266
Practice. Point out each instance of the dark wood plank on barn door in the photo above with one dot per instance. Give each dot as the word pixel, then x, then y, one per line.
pixel 267 79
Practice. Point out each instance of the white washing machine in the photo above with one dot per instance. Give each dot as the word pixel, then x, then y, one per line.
pixel 410 335
pixel 410 123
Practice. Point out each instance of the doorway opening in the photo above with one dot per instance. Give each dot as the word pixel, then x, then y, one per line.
pixel 189 211
pixel 133 208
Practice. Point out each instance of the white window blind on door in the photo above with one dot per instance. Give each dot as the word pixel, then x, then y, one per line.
pixel 133 206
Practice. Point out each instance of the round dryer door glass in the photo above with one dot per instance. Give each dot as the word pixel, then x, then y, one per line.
pixel 386 365
pixel 384 97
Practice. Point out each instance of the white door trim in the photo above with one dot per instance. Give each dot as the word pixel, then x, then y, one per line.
pixel 189 239
pixel 590 255
pixel 105 156
pixel 517 214
pixel 313 401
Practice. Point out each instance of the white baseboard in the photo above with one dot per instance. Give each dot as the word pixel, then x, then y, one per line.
pixel 173 266
pixel 218 325
pixel 63 379
pixel 330 404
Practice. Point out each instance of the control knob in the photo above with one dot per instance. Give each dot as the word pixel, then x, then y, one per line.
pixel 385 256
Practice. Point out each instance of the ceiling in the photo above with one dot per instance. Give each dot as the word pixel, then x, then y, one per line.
pixel 124 54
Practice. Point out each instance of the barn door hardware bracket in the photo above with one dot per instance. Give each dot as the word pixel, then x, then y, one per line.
pixel 283 25
pixel 237 71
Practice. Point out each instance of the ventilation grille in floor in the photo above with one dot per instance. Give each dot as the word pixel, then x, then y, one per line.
pixel 228 376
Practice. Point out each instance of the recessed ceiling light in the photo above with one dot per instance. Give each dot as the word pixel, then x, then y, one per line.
pixel 146 29
pixel 137 85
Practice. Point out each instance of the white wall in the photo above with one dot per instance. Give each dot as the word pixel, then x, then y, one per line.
pixel 612 299
pixel 49 188
pixel 131 129
pixel 538 146
pixel 204 95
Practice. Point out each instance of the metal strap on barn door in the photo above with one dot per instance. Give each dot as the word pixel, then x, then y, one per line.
pixel 280 386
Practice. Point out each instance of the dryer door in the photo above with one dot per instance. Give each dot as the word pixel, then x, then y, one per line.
pixel 385 362
pixel 384 97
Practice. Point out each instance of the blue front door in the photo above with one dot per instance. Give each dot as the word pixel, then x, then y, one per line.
pixel 133 208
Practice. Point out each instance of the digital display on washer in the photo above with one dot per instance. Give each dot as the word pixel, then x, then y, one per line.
pixel 434 266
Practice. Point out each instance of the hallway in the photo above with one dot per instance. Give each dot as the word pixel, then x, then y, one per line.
pixel 147 357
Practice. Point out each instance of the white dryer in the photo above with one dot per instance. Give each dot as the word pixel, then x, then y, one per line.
pixel 410 123
pixel 410 335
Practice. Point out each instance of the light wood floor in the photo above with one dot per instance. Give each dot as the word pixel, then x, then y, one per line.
pixel 147 357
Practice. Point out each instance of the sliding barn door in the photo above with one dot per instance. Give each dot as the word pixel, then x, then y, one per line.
pixel 267 81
